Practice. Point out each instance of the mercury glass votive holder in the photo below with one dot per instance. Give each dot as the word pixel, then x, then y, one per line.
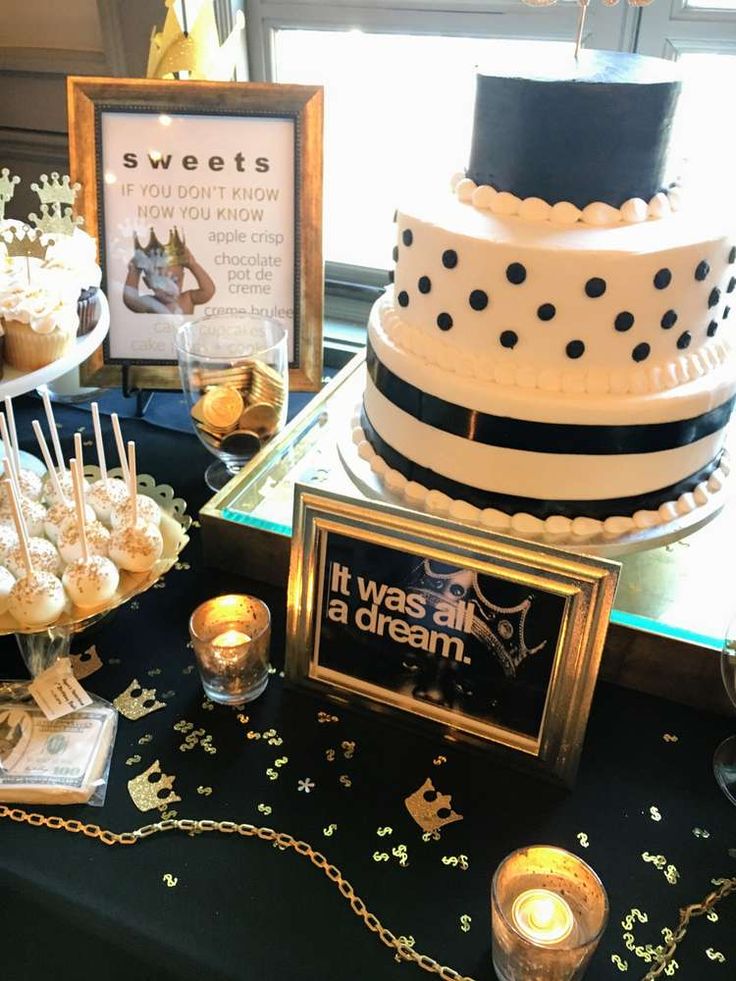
pixel 548 912
pixel 231 636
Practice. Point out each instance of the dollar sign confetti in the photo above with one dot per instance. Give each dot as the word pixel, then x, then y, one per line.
pixel 252 735
pixel 407 942
pixel 324 717
pixel 153 672
pixel 330 755
pixel 145 739
pixel 113 660
pixel 431 836
pixel 449 860
pixel 281 761
pixel 170 880
pixel 669 738
pixel 132 759
pixel 382 832
pixel 243 719
pixel 168 694
pixel 348 749
pixel 276 741
pixel 346 781
pixel 167 815
pixel 265 809
pixel 712 916
pixel 380 856
pixel 715 955
pixel 272 774
pixel 583 839
pixel 190 667
pixel 620 964
pixel 439 760
pixel 672 875
pixel 463 862
pixel 465 922
pixel 269 733
pixel 207 705
pixel 204 791
pixel 701 833
pixel 654 814
pixel 329 831
pixel 402 855
pixel 629 941
pixel 672 968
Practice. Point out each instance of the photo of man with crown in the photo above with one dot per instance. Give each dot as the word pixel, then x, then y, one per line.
pixel 162 269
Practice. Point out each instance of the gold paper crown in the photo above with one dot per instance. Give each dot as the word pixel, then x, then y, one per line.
pixel 86 663
pixel 55 222
pixel 171 254
pixel 425 806
pixel 57 201
pixel 7 189
pixel 146 793
pixel 175 49
pixel 25 242
pixel 55 191
pixel 135 707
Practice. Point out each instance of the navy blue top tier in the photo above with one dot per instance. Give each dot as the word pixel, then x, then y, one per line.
pixel 595 130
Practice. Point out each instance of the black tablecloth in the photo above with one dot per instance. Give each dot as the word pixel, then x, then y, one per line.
pixel 73 908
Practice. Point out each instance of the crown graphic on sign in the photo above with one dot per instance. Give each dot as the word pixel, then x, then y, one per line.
pixel 147 793
pixel 135 701
pixel 25 242
pixel 160 255
pixel 176 49
pixel 7 189
pixel 501 628
pixel 431 809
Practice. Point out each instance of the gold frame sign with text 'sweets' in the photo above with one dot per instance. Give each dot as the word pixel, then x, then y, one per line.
pixel 493 641
pixel 206 199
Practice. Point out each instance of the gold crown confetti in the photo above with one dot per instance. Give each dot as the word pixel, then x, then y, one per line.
pixel 176 49
pixel 431 809
pixel 146 794
pixel 171 254
pixel 134 707
pixel 7 189
pixel 25 242
pixel 86 663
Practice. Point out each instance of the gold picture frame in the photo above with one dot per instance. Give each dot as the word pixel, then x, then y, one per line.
pixel 338 652
pixel 89 98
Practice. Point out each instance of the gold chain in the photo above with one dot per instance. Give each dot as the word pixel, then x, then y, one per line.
pixel 399 945
pixel 401 948
pixel 688 913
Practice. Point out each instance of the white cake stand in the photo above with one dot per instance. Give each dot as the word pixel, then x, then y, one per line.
pixel 370 485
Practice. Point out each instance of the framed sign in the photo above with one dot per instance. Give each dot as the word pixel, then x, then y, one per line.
pixel 205 198
pixel 492 640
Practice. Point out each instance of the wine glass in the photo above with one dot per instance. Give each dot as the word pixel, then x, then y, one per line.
pixel 234 372
pixel 724 760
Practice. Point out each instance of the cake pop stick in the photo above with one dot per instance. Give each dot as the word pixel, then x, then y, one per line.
pixel 90 580
pixel 132 483
pixel 13 433
pixel 54 433
pixel 20 525
pixel 98 440
pixel 43 446
pixel 76 469
pixel 120 445
pixel 136 545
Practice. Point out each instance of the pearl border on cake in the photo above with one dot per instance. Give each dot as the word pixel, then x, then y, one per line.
pixel 556 527
pixel 485 197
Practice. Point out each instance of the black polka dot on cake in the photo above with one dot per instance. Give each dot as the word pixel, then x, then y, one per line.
pixel 424 284
pixel 684 339
pixel 509 338
pixel 714 298
pixel 669 319
pixel 449 258
pixel 726 311
pixel 403 299
pixel 701 271
pixel 732 255
pixel 395 253
pixel 641 352
pixel 516 273
pixel 712 328
pixel 624 321
pixel 444 321
pixel 594 288
pixel 546 311
pixel 662 279
pixel 478 300
pixel 575 349
pixel 407 236
pixel 731 285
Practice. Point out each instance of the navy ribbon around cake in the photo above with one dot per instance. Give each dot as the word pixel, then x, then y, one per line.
pixel 542 437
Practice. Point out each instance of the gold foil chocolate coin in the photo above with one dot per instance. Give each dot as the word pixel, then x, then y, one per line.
pixel 222 407
pixel 260 418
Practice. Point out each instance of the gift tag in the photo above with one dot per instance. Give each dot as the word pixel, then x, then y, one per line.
pixel 57 692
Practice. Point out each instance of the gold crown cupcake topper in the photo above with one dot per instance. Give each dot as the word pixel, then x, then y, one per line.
pixel 57 201
pixel 54 191
pixel 176 51
pixel 25 242
pixel 55 222
pixel 7 189
pixel 431 809
pixel 171 254
pixel 136 701
pixel 147 792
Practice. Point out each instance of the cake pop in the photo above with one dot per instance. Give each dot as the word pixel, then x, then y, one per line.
pixel 90 580
pixel 69 541
pixel 29 483
pixel 135 547
pixel 106 493
pixel 63 509
pixel 44 556
pixel 37 598
pixel 8 539
pixel 7 581
pixel 33 512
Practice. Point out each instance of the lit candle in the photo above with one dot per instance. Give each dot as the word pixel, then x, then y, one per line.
pixel 542 916
pixel 230 638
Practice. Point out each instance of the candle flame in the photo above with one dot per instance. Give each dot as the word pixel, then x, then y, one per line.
pixel 231 638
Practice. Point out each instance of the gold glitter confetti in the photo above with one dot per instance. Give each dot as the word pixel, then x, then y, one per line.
pixel 701 833
pixel 188 669
pixel 654 813
pixel 407 942
pixel 401 853
pixel 306 785
pixel 330 755
pixel 635 915
pixel 712 916
pixel 207 705
pixel 329 831
pixel 346 781
pixel 671 968
pixel 183 726
pixel 381 856
pixel 439 760
pixel 456 861
pixel 658 861
pixel 153 672
pixel 276 741
pixel 204 791
pixel 146 794
pixel 281 761
pixel 265 809
pixel 137 701
pixel 715 955
pixel 132 759
pixel 251 734
pixel 465 922
pixel 348 749
pixel 269 733
pixel 669 738
pixel 620 964
pixel 182 566
pixel 145 739
pixel 272 774
pixel 431 836
pixel 168 694
pixel 382 832
pixel 668 935
pixel 167 815
pixel 161 584
pixel 169 879
pixel 243 719
pixel 583 839
pixel 324 717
